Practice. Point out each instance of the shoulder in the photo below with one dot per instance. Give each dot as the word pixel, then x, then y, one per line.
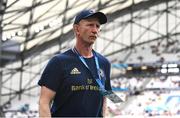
pixel 65 55
pixel 62 58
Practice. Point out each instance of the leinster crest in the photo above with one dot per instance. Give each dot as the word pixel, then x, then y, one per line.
pixel 101 73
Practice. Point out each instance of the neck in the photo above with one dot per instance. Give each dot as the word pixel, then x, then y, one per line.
pixel 85 51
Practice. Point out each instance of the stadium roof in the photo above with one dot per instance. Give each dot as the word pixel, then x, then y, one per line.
pixel 36 25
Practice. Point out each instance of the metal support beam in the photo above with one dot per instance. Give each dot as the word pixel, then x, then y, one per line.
pixel 2 9
pixel 0 87
pixel 0 54
pixel 167 23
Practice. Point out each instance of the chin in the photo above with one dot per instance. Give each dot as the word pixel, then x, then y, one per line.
pixel 92 42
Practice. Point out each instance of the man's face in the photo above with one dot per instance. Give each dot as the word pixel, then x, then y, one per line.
pixel 88 30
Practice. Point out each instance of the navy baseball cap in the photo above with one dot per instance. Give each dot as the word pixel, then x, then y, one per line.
pixel 90 13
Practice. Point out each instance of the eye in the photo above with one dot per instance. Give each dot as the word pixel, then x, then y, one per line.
pixel 91 25
pixel 98 26
pixel 94 25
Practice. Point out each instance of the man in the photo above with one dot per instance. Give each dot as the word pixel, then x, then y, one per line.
pixel 76 80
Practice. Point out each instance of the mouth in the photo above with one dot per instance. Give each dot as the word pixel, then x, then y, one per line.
pixel 93 37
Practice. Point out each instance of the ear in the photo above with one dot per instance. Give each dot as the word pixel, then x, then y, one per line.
pixel 75 27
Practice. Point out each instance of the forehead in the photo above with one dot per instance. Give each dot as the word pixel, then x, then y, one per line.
pixel 91 19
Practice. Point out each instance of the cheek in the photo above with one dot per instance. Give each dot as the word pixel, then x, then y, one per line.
pixel 83 33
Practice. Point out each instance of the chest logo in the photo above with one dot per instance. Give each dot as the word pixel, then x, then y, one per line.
pixel 75 71
pixel 101 72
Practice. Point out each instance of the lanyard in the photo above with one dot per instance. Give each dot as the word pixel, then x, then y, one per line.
pixel 98 80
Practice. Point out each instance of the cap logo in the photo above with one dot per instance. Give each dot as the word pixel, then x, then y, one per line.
pixel 92 11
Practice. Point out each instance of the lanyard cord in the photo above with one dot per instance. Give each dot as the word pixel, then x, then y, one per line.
pixel 98 80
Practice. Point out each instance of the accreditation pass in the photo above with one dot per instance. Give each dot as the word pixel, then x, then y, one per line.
pixel 113 97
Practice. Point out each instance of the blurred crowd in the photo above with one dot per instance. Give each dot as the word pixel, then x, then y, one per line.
pixel 20 110
pixel 155 96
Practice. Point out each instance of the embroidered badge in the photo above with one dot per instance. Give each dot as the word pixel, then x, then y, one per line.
pixel 101 72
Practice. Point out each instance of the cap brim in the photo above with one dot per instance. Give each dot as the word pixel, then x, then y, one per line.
pixel 101 16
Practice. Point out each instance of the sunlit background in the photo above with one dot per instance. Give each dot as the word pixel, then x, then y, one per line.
pixel 141 40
